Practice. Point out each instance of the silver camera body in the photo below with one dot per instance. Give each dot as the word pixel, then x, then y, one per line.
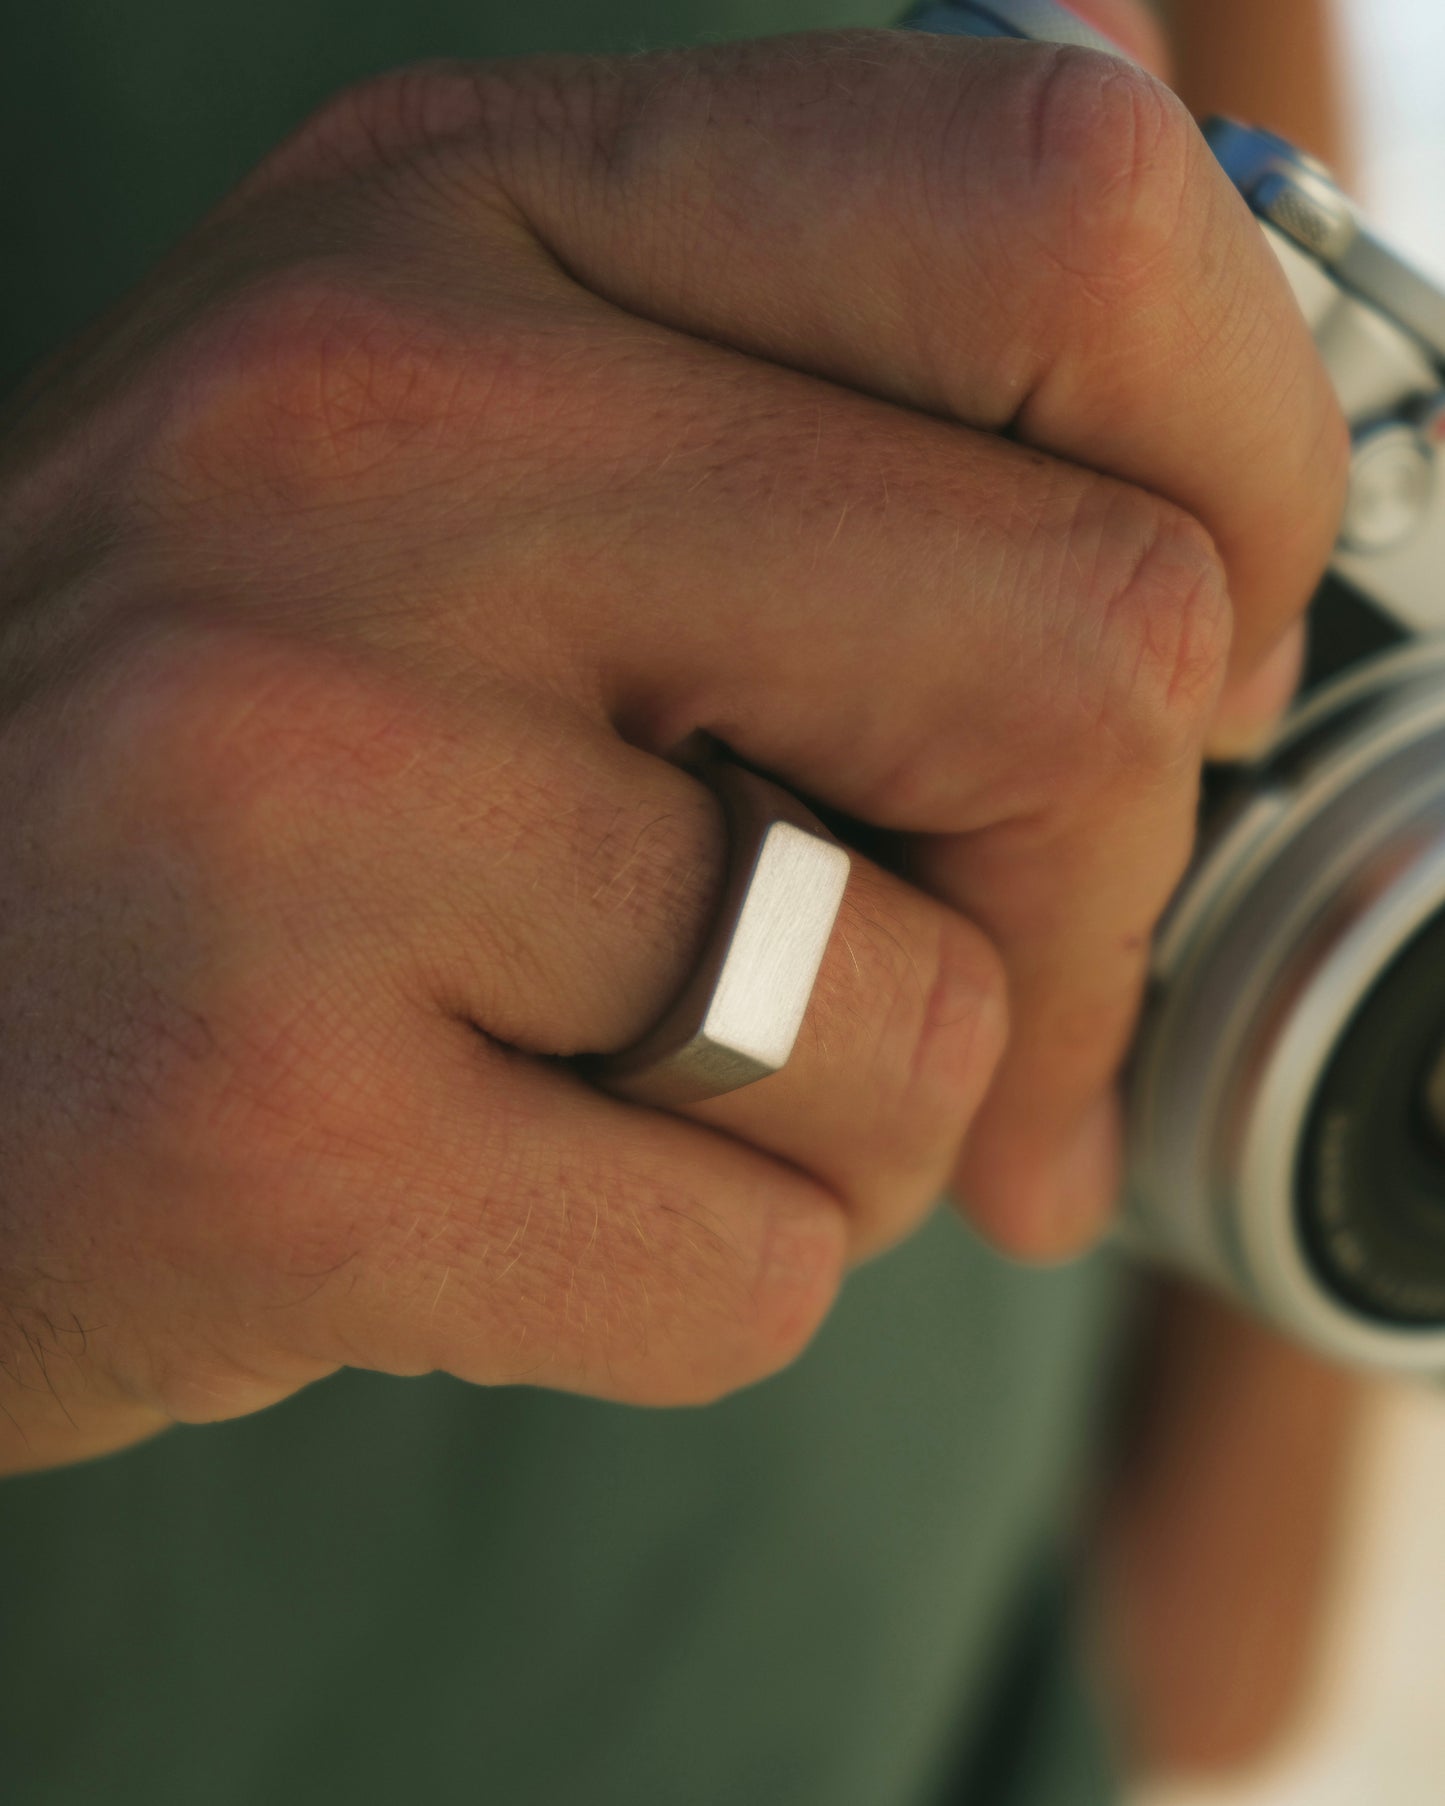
pixel 1286 1094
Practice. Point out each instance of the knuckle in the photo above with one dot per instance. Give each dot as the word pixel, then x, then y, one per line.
pixel 324 385
pixel 928 995
pixel 380 119
pixel 642 1287
pixel 221 1028
pixel 232 753
pixel 1156 633
pixel 1103 160
pixel 957 1027
pixel 609 118
pixel 779 1308
pixel 962 1027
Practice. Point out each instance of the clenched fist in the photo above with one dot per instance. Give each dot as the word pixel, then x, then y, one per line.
pixel 925 421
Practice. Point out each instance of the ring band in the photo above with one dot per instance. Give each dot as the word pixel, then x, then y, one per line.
pixel 737 1017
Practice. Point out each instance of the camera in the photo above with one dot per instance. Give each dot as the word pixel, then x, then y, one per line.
pixel 1286 1090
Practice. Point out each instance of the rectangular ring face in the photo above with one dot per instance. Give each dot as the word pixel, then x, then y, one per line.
pixel 777 945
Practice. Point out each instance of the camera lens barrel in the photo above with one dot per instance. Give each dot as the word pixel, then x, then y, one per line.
pixel 1370 1179
pixel 1281 1134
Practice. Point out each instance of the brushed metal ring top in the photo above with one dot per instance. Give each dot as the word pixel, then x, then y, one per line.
pixel 737 1018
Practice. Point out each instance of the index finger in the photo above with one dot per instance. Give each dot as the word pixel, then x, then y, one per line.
pixel 1020 237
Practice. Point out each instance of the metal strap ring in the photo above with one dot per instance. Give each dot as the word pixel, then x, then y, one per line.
pixel 738 1016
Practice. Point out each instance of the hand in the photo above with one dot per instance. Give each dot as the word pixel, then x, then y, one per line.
pixel 925 420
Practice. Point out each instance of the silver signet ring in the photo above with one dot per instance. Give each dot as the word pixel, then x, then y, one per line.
pixel 737 1018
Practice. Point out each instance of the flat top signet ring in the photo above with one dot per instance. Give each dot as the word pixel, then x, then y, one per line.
pixel 738 1016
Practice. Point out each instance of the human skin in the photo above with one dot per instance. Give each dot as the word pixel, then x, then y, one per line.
pixel 924 420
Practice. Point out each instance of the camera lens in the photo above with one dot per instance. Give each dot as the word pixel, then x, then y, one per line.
pixel 1432 1098
pixel 1371 1171
pixel 1287 1093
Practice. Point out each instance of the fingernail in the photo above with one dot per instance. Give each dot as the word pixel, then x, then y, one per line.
pixel 1086 1180
pixel 1250 709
